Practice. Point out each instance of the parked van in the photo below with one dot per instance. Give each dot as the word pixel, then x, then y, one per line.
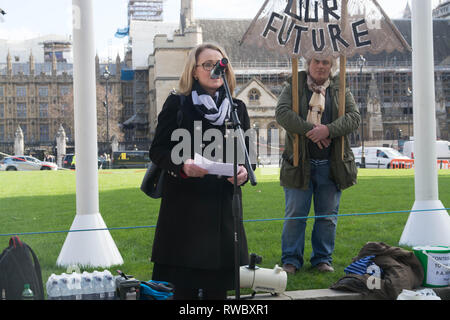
pixel 130 159
pixel 377 157
pixel 442 149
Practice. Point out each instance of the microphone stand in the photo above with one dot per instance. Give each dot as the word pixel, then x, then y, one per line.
pixel 236 205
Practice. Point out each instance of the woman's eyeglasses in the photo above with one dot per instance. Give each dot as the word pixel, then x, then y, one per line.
pixel 207 65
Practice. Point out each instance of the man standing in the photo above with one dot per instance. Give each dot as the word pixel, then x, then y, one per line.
pixel 322 171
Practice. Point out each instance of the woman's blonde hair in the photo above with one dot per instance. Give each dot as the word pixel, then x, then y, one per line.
pixel 187 77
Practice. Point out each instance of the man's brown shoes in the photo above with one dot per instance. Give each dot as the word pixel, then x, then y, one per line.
pixel 324 267
pixel 289 268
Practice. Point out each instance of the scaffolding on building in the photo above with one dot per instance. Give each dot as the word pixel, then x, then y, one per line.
pixel 56 48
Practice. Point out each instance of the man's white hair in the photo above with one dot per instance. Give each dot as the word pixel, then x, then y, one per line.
pixel 334 64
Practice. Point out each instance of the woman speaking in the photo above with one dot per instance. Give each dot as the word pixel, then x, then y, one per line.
pixel 194 238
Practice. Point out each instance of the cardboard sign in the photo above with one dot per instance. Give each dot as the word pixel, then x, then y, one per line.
pixel 311 28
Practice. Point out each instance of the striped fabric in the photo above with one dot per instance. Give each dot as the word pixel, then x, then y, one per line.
pixel 317 162
pixel 362 265
pixel 207 106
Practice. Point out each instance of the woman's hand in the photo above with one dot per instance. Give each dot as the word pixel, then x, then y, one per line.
pixel 192 170
pixel 241 176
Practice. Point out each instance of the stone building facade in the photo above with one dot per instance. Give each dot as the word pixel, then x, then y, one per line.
pixel 38 98
pixel 382 88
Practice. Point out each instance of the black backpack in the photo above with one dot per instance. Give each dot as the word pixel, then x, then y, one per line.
pixel 19 266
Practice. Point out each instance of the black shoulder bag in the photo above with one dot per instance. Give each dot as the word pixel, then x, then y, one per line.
pixel 154 176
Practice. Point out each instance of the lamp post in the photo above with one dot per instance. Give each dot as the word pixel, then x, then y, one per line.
pixel 256 128
pixel 361 61
pixel 409 94
pixel 106 75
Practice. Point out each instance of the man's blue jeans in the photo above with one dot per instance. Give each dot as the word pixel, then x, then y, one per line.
pixel 298 203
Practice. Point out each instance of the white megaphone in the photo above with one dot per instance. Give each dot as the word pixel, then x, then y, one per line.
pixel 262 279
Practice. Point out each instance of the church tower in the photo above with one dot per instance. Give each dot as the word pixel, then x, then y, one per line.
pixel 407 12
pixel 168 59
pixel 9 64
pixel 186 14
pixel 32 66
pixel 54 64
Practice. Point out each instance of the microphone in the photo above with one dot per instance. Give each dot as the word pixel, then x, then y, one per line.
pixel 219 67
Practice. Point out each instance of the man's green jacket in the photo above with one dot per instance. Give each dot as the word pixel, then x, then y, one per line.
pixel 342 171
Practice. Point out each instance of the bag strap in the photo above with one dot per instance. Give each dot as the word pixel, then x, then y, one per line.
pixel 180 112
pixel 37 268
pixel 15 242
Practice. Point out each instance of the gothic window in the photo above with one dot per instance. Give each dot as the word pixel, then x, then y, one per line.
pixel 64 90
pixel 43 91
pixel 128 109
pixel 253 96
pixel 43 132
pixel 1 92
pixel 65 109
pixel 2 111
pixel 43 110
pixel 128 90
pixel 129 134
pixel 21 91
pixel 388 135
pixel 21 110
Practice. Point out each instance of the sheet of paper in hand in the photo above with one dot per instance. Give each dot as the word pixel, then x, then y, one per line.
pixel 213 167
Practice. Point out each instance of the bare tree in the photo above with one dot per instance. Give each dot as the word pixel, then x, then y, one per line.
pixel 114 109
pixel 64 112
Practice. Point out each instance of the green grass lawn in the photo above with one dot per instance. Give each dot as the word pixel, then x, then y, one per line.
pixel 45 201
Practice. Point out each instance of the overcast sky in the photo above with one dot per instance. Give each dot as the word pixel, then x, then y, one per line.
pixel 30 18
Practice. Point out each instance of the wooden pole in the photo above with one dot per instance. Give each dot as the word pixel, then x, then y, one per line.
pixel 295 106
pixel 342 70
pixel 295 98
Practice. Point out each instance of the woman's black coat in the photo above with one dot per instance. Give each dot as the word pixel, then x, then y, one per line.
pixel 195 225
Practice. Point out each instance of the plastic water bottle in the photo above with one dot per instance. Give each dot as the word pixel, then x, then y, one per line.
pixel 53 291
pixel 87 289
pixel 109 285
pixel 64 287
pixel 99 289
pixel 75 286
pixel 27 294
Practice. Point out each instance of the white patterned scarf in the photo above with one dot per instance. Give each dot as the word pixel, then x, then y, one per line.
pixel 317 102
pixel 207 107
